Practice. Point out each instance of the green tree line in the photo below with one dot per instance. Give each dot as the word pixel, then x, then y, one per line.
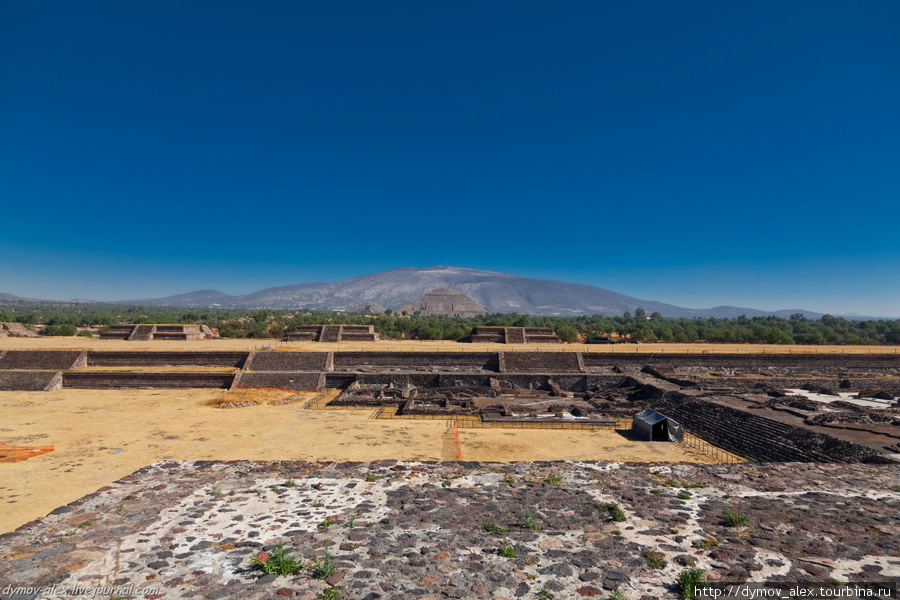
pixel 243 323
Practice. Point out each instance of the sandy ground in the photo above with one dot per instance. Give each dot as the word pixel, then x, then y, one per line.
pixel 102 435
pixel 69 343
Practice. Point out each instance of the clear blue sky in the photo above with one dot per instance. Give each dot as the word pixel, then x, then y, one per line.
pixel 698 153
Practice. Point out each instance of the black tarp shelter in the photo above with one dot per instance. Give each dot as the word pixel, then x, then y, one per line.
pixel 655 427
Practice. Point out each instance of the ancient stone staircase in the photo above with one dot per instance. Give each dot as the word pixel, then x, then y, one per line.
pixel 331 333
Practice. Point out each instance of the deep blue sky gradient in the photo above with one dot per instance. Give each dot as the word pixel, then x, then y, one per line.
pixel 698 153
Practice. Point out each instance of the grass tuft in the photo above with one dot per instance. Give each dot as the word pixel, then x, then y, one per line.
pixel 278 563
pixel 734 517
pixel 688 581
pixel 507 549
pixel 323 568
pixel 492 527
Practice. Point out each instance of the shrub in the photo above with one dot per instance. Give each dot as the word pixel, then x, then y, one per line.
pixel 85 333
pixel 59 330
pixel 615 513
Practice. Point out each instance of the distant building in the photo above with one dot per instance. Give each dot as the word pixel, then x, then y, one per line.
pixel 447 302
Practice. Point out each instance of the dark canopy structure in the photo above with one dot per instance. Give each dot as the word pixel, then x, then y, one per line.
pixel 655 427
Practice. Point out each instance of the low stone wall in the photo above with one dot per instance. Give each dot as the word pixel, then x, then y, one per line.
pixel 43 359
pixel 285 381
pixel 288 361
pixel 173 359
pixel 756 437
pixel 30 381
pixel 100 380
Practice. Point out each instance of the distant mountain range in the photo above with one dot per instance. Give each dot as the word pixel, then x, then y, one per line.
pixel 498 292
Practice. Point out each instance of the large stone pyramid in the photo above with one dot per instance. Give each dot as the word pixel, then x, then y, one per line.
pixel 445 301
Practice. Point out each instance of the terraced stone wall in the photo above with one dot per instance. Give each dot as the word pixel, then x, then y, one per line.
pixel 288 361
pixel 30 381
pixel 546 362
pixel 287 381
pixel 756 437
pixel 402 361
pixel 43 359
pixel 171 380
pixel 173 359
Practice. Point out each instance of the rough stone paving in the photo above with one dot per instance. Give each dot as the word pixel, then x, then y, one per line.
pixel 416 530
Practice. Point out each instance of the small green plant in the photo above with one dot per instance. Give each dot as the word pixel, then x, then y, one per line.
pixel 278 563
pixel 615 512
pixel 657 491
pixel 317 504
pixel 683 496
pixel 707 544
pixel 370 478
pixel 232 493
pixel 289 483
pixel 553 479
pixel 330 594
pixel 351 522
pixel 655 560
pixel 672 483
pixel 545 594
pixel 833 581
pixel 616 594
pixel 508 479
pixel 215 492
pixel 84 524
pixel 728 496
pixel 616 532
pixel 673 531
pixel 507 549
pixel 529 520
pixel 734 517
pixel 326 523
pixel 688 581
pixel 323 568
pixel 492 527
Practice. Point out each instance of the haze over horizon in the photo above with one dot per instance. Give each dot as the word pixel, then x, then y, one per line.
pixel 699 154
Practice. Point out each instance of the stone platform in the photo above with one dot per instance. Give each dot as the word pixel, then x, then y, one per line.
pixel 399 531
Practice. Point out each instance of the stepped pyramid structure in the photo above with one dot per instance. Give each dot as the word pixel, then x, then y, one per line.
pixel 447 302
pixel 15 330
pixel 369 308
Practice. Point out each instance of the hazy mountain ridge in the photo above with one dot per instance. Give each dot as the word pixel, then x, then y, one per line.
pixel 498 292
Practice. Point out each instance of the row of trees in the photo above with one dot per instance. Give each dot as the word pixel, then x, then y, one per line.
pixel 238 323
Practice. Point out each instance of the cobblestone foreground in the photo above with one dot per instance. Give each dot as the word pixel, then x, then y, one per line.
pixel 400 531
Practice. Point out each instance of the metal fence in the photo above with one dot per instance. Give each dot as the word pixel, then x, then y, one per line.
pixel 567 425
